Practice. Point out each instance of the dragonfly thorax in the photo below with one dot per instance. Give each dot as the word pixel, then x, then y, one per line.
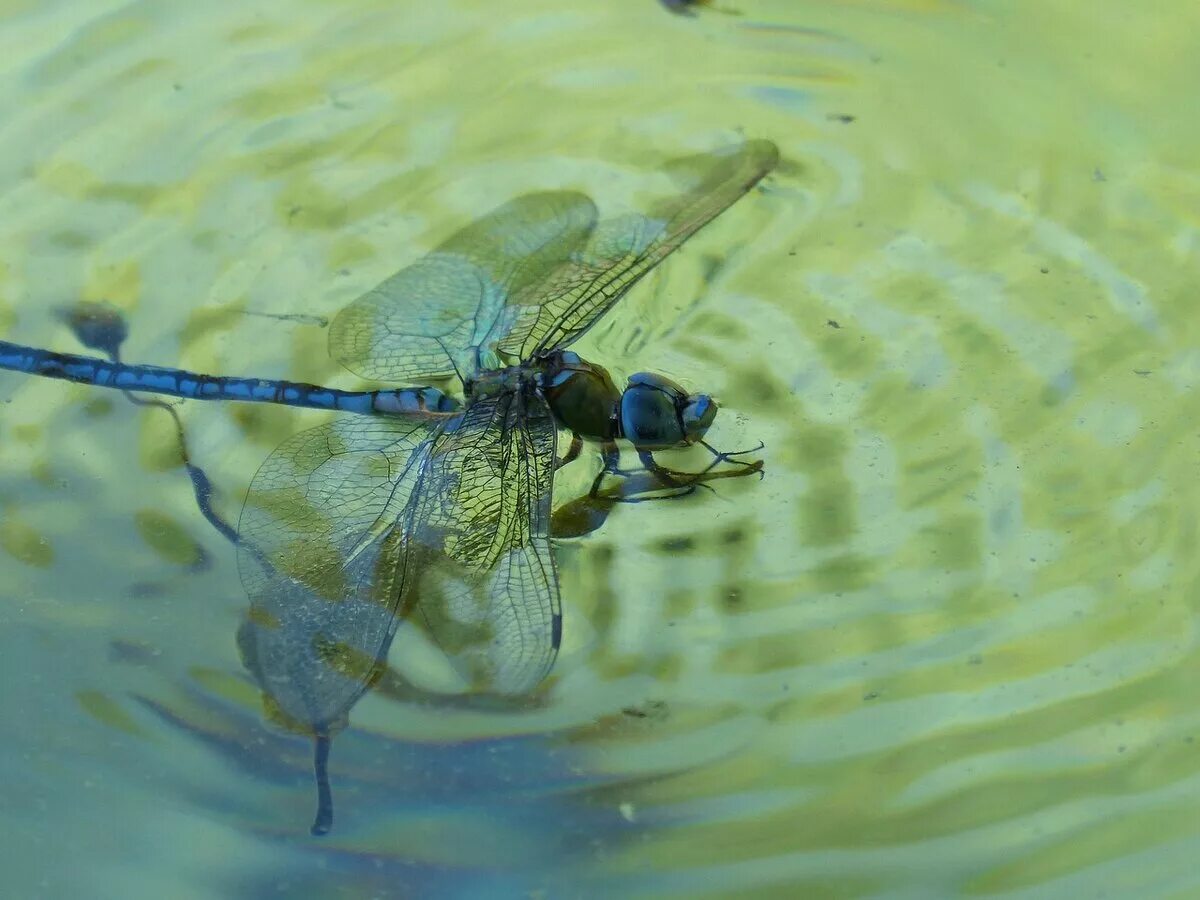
pixel 582 396
pixel 490 382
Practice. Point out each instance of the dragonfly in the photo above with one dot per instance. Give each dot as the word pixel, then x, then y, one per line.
pixel 427 509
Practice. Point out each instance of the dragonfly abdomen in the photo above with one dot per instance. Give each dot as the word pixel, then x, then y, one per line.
pixel 411 400
pixel 195 386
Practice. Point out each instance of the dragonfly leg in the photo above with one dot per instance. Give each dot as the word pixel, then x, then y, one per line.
pixel 658 493
pixel 720 456
pixel 202 487
pixel 611 457
pixel 673 476
pixel 572 453
pixel 638 492
pixel 669 477
pixel 682 483
pixel 668 483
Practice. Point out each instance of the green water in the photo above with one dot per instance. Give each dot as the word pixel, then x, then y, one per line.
pixel 947 647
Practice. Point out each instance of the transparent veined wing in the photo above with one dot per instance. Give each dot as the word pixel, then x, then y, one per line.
pixel 483 574
pixel 350 526
pixel 322 557
pixel 427 320
pixel 559 308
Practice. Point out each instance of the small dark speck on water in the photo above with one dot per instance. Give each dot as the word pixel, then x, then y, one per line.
pixel 1143 372
pixel 1045 271
pixel 687 7
pixel 681 544
pixel 832 323
pixel 1097 175
pixel 732 536
pixel 143 590
pixel 682 7
pixel 844 118
pixel 870 695
pixel 975 659
pixel 651 709
pixel 133 652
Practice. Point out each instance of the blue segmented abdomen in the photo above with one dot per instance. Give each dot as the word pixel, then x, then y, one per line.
pixel 193 386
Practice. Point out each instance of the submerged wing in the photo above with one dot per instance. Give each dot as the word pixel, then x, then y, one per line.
pixel 350 525
pixel 427 319
pixel 322 556
pixel 483 574
pixel 561 307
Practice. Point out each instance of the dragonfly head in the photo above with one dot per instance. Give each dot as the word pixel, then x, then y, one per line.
pixel 656 413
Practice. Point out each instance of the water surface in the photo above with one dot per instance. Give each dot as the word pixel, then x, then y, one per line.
pixel 947 647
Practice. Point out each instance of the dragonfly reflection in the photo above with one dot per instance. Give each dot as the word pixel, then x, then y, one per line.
pixel 438 513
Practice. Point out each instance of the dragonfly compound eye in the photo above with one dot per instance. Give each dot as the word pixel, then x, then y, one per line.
pixel 697 415
pixel 651 412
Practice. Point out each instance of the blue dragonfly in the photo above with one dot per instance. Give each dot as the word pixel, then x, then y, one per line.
pixel 429 510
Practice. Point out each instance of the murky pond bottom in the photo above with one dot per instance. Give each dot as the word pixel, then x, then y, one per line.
pixel 946 646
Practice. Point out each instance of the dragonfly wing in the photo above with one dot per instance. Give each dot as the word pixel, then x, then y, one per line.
pixel 483 573
pixel 572 298
pixel 427 320
pixel 322 556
